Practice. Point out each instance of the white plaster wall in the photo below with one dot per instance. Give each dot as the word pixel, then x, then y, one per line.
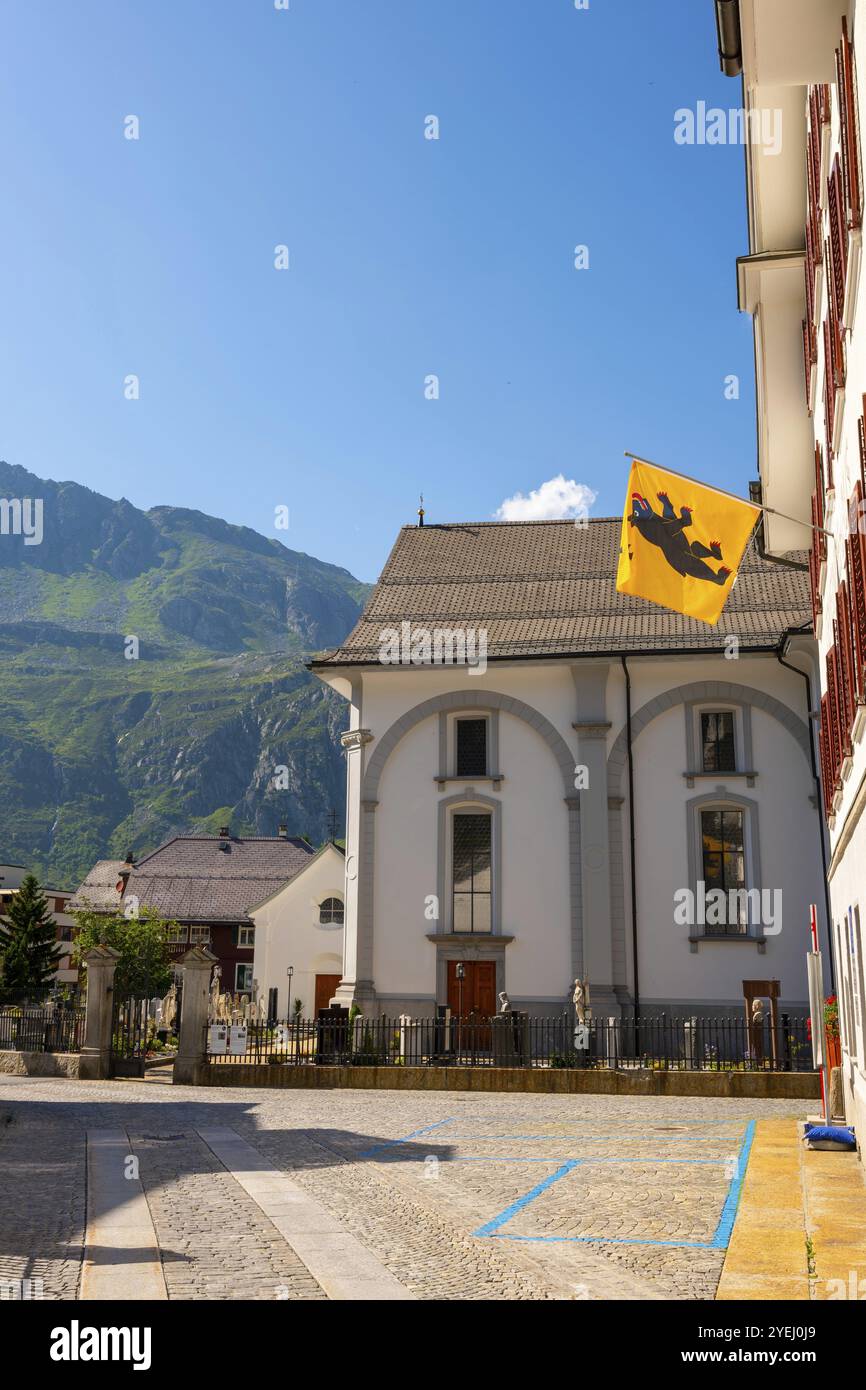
pixel 391 691
pixel 535 879
pixel 535 882
pixel 288 933
pixel 846 465
pixel 846 891
pixel 789 852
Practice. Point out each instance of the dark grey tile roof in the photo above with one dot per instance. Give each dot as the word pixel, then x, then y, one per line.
pixel 192 879
pixel 99 889
pixel 548 588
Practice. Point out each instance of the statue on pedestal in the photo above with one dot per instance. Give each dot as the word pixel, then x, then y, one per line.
pixel 504 1003
pixel 756 1030
pixel 580 1000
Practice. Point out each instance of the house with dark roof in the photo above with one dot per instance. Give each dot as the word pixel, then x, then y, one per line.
pixel 207 885
pixel 548 780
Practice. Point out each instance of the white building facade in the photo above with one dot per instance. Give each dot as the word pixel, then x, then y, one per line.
pixel 803 281
pixel 299 928
pixel 516 820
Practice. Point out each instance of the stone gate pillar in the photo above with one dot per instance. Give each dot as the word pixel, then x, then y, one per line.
pixel 101 963
pixel 196 964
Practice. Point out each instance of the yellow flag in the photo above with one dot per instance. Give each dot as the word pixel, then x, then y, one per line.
pixel 682 542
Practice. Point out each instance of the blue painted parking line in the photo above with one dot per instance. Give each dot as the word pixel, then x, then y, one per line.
pixel 578 1162
pixel 729 1210
pixel 416 1133
pixel 493 1226
pixel 613 1138
pixel 721 1236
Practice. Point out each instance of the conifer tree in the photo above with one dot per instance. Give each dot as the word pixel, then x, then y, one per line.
pixel 29 954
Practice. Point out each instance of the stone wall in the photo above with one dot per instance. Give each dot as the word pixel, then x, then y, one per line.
pixel 40 1064
pixel 741 1085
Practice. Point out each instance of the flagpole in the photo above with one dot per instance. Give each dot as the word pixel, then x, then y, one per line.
pixel 773 511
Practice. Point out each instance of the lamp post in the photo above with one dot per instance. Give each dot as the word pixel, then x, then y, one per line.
pixel 460 972
pixel 290 970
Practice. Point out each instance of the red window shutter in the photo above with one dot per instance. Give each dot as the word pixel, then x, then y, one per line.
pixel 820 491
pixel 835 730
pixel 829 392
pixel 846 661
pixel 838 238
pixel 824 745
pixel 857 576
pixel 849 122
pixel 861 433
pixel 858 634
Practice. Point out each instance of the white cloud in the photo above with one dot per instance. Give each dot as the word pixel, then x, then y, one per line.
pixel 558 499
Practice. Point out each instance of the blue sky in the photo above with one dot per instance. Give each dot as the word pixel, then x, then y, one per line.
pixel 408 257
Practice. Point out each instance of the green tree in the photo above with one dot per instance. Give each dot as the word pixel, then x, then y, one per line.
pixel 29 954
pixel 144 967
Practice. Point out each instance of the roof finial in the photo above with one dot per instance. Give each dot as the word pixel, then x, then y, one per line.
pixel 421 511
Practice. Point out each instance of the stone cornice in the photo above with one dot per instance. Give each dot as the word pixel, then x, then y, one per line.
pixel 592 729
pixel 355 738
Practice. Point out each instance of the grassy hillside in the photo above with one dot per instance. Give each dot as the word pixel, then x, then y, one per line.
pixel 100 753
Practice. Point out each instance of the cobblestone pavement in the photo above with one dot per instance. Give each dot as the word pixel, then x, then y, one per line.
pixel 459 1196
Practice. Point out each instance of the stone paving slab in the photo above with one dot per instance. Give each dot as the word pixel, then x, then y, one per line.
pixel 342 1266
pixel 121 1254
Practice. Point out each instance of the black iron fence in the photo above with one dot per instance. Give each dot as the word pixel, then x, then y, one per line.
pixel 659 1042
pixel 51 1026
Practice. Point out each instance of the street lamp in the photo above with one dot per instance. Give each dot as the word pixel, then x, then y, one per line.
pixel 290 972
pixel 460 972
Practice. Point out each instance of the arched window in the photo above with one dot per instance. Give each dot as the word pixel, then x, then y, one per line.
pixel 331 913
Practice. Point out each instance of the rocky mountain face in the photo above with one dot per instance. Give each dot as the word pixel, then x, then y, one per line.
pixel 152 679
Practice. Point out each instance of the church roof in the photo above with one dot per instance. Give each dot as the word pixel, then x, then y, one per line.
pixel 548 588
pixel 200 878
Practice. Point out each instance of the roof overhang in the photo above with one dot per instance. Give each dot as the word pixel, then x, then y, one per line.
pixel 771 288
pixel 784 43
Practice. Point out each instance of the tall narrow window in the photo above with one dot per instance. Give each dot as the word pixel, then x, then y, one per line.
pixel 724 866
pixel 472 877
pixel 717 742
pixel 471 737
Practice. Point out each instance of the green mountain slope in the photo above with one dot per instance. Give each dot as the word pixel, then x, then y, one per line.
pixel 216 719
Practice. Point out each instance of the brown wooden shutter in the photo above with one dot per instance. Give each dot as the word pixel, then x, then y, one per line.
pixel 857 577
pixel 825 745
pixel 858 637
pixel 846 661
pixel 836 217
pixel 835 729
pixel 849 122
pixel 829 391
pixel 820 492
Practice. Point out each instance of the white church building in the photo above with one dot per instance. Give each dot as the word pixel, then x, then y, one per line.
pixel 602 789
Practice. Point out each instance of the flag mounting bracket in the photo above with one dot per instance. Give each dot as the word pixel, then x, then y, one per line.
pixel 759 506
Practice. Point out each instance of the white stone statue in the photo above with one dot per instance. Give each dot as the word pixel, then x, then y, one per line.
pixel 169 1007
pixel 759 1012
pixel 504 1003
pixel 214 1006
pixel 579 1000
